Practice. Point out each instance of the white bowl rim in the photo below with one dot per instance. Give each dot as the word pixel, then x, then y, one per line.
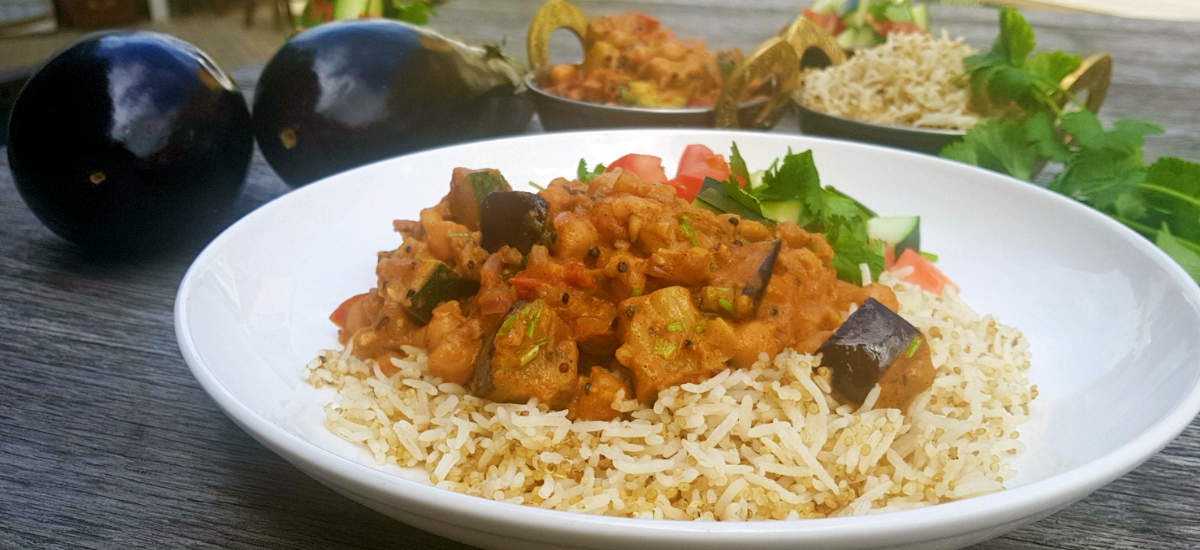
pixel 946 519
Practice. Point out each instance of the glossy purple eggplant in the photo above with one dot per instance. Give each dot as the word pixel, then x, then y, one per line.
pixel 349 93
pixel 129 141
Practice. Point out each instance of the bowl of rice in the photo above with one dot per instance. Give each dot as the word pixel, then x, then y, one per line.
pixel 907 92
pixel 1068 359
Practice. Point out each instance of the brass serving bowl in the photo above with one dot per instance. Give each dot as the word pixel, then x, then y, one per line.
pixel 775 58
pixel 1091 79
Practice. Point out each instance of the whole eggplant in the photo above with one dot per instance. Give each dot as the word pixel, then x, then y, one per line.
pixel 348 93
pixel 129 141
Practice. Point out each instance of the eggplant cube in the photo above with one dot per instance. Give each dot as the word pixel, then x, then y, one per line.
pixel 871 341
pixel 512 218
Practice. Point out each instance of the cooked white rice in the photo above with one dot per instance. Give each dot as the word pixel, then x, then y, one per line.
pixel 768 442
pixel 912 80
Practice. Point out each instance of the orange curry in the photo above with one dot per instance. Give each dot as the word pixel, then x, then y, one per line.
pixel 584 291
pixel 631 60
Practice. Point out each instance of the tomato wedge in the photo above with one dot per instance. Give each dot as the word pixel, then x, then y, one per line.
pixel 338 317
pixel 924 273
pixel 830 21
pixel 647 167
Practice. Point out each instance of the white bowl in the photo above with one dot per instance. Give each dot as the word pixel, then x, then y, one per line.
pixel 1114 326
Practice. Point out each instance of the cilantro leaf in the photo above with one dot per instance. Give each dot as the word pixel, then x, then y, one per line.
pixel 1000 146
pixel 1107 165
pixel 1053 66
pixel 796 178
pixel 1171 192
pixel 737 165
pixel 741 197
pixel 1016 40
pixel 585 176
pixel 1187 258
pixel 412 12
pixel 1177 174
pixel 852 248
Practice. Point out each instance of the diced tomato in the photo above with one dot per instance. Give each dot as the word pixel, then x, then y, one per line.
pixel 646 24
pixel 694 156
pixel 699 162
pixel 647 167
pixel 576 275
pixel 830 21
pixel 891 27
pixel 689 183
pixel 924 273
pixel 526 282
pixel 338 317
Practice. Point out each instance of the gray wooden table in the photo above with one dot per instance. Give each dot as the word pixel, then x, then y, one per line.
pixel 106 441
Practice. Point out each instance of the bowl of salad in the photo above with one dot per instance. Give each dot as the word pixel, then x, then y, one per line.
pixel 859 24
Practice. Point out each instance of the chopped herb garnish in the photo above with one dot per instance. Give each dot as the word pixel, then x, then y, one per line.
pixel 507 324
pixel 452 235
pixel 912 347
pixel 635 292
pixel 723 288
pixel 727 306
pixel 536 186
pixel 930 256
pixel 675 327
pixel 533 321
pixel 700 326
pixel 529 354
pixel 686 227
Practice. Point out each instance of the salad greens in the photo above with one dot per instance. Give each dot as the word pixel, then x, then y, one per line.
pixel 586 176
pixel 791 190
pixel 317 12
pixel 1103 168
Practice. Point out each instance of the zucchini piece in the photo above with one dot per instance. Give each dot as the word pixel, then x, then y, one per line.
pixel 436 284
pixel 920 16
pixel 467 190
pixel 902 232
pixel 512 218
pixel 712 197
pixel 866 348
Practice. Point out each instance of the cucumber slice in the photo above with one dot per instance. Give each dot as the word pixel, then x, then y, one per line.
pixel 902 232
pixel 920 15
pixel 756 179
pixel 898 13
pixel 849 7
pixel 782 211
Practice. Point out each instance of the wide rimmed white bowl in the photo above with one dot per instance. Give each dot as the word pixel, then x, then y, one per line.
pixel 1114 326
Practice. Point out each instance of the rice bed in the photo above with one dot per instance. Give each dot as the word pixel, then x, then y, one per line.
pixel 768 442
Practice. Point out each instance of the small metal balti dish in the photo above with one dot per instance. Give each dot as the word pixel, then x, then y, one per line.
pixel 774 59
pixel 1089 82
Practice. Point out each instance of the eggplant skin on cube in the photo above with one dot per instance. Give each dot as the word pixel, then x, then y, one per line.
pixel 512 218
pixel 877 346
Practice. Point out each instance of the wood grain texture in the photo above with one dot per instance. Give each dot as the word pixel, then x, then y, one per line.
pixel 107 442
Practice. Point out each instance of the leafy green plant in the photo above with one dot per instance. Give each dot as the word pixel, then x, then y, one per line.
pixel 1103 168
pixel 317 12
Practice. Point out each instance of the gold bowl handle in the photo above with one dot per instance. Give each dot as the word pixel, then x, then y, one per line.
pixel 804 35
pixel 774 57
pixel 1093 76
pixel 553 15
